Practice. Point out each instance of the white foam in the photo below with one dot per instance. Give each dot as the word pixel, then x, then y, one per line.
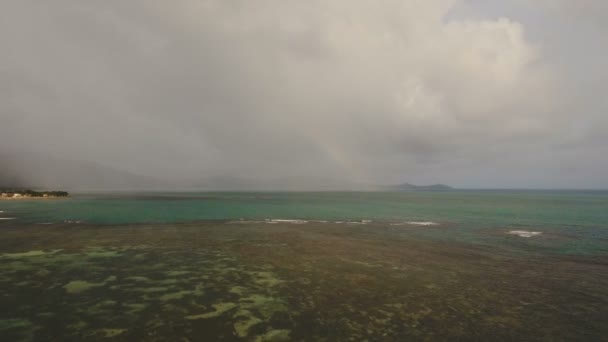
pixel 244 222
pixel 524 233
pixel 358 222
pixel 7 218
pixel 416 223
pixel 274 221
pixel 423 223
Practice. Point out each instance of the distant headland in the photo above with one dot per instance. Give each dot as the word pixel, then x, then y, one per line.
pixel 30 194
pixel 412 187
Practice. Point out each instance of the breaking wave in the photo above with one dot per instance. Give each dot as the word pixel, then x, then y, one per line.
pixel 244 222
pixel 358 222
pixel 524 233
pixel 286 221
pixel 295 221
pixel 415 223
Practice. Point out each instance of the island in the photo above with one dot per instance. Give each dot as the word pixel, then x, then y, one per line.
pixel 412 187
pixel 30 194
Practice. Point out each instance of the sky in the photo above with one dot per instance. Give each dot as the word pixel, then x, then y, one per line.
pixel 471 93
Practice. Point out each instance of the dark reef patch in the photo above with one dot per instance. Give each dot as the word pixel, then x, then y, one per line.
pixel 261 282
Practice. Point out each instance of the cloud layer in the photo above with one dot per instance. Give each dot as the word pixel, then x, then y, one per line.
pixel 470 93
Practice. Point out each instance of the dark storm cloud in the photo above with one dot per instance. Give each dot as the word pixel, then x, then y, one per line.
pixel 465 92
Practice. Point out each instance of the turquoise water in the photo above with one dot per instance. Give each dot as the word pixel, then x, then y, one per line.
pixel 354 267
pixel 578 218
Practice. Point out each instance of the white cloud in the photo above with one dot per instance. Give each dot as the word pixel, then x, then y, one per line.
pixel 379 91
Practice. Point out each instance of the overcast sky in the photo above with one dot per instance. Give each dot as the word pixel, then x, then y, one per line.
pixel 473 93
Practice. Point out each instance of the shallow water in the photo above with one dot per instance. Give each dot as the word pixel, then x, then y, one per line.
pixel 311 278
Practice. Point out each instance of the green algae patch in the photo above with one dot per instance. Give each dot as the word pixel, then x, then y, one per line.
pixel 242 327
pixel 29 254
pixel 78 325
pixel 266 279
pixel 237 290
pixel 9 324
pixel 15 266
pixel 135 307
pixel 168 282
pixel 23 255
pixel 152 289
pixel 138 279
pixel 277 335
pixel 366 264
pixel 79 286
pixel 45 314
pixel 220 308
pixel 96 252
pixel 198 291
pixel 397 306
pixel 177 273
pixel 42 273
pixel 140 257
pixel 267 306
pixel 175 295
pixel 107 303
pixel 109 333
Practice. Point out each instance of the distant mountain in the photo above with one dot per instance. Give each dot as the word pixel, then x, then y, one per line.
pixel 275 184
pixel 43 172
pixel 412 187
pixel 50 173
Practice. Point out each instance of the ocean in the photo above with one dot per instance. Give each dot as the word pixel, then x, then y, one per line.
pixel 306 266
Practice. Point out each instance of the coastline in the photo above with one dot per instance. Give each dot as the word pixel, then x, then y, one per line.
pixel 21 194
pixel 34 198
